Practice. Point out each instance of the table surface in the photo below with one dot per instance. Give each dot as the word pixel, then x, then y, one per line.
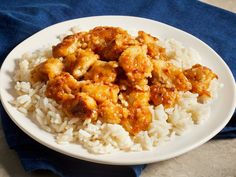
pixel 217 158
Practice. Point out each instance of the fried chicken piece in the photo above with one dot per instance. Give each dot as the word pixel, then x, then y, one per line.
pixel 46 70
pixel 154 51
pixel 101 92
pixel 110 42
pixel 169 75
pixel 146 38
pixel 200 78
pixel 135 98
pixel 112 112
pixel 141 85
pixel 102 71
pixel 70 44
pixel 160 94
pixel 62 87
pixel 138 120
pixel 79 62
pixel 136 63
pixel 82 106
pixel 125 84
pixel 139 116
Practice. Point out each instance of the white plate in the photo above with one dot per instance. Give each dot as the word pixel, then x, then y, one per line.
pixel 222 109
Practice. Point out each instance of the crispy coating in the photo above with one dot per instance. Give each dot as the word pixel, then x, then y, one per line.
pixel 102 71
pixel 200 78
pixel 112 112
pixel 138 120
pixel 135 63
pixel 169 75
pixel 141 85
pixel 67 46
pixel 79 62
pixel 47 70
pixel 82 106
pixel 154 51
pixel 135 98
pixel 62 88
pixel 70 44
pixel 160 94
pixel 110 42
pixel 101 92
pixel 139 116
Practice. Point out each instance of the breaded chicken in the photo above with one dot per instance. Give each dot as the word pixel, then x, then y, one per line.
pixel 200 78
pixel 112 112
pixel 125 84
pixel 47 70
pixel 62 87
pixel 139 116
pixel 81 106
pixel 138 120
pixel 136 63
pixel 102 71
pixel 110 42
pixel 101 92
pixel 70 44
pixel 169 75
pixel 160 94
pixel 141 85
pixel 154 51
pixel 136 98
pixel 79 62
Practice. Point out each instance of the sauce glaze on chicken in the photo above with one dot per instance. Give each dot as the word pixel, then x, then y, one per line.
pixel 109 75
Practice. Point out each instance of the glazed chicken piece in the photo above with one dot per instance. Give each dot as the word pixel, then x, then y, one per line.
pixel 136 64
pixel 154 51
pixel 169 75
pixel 125 84
pixel 200 78
pixel 79 62
pixel 62 87
pixel 139 117
pixel 112 112
pixel 138 120
pixel 161 94
pixel 135 98
pixel 141 85
pixel 70 44
pixel 110 42
pixel 102 71
pixel 47 70
pixel 101 92
pixel 82 106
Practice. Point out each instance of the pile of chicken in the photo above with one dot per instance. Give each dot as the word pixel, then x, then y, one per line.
pixel 107 74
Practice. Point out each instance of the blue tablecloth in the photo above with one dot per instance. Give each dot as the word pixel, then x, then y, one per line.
pixel 20 19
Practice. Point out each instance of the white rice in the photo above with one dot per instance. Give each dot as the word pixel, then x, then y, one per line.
pixel 102 138
pixel 180 56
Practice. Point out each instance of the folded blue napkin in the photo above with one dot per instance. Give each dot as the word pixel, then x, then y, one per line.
pixel 20 19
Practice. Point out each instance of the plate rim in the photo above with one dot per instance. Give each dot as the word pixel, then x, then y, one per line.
pixel 151 160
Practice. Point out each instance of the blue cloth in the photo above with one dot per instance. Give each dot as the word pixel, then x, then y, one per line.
pixel 20 19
